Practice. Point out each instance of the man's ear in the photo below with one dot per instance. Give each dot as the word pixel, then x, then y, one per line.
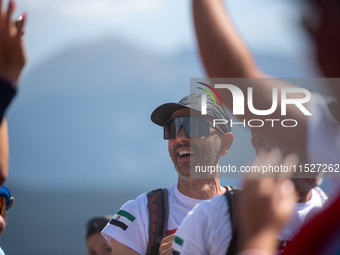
pixel 226 142
pixel 258 142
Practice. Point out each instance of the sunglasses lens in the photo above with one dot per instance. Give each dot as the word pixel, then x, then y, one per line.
pixel 169 130
pixel 199 127
pixel 194 127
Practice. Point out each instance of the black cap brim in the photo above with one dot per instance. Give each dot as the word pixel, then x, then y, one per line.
pixel 163 113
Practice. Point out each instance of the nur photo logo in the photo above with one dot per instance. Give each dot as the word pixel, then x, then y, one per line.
pixel 240 101
pixel 204 97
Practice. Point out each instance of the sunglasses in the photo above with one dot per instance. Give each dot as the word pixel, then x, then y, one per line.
pixel 194 127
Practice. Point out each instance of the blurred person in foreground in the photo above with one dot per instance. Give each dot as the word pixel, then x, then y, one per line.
pixel 321 235
pixel 192 141
pixel 95 242
pixel 12 61
pixel 258 229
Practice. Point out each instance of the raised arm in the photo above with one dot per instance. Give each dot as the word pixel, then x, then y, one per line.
pixel 12 61
pixel 12 53
pixel 226 55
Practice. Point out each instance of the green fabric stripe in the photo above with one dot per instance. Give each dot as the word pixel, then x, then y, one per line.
pixel 126 215
pixel 178 240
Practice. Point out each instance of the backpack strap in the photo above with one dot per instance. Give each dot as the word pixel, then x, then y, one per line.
pixel 158 207
pixel 231 195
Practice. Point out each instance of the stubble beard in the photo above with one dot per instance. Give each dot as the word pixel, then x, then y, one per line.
pixel 207 156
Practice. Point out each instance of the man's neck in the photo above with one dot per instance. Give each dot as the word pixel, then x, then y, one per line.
pixel 198 188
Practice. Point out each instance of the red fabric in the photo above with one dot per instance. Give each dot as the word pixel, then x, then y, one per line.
pixel 170 232
pixel 315 234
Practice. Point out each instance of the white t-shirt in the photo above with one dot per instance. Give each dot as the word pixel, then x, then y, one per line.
pixel 304 212
pixel 207 229
pixel 134 218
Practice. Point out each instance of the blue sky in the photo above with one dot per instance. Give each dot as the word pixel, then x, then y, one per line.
pixel 163 27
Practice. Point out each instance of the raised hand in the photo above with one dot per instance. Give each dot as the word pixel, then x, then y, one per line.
pixel 12 53
pixel 266 204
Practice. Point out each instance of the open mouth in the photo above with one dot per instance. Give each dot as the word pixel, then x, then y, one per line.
pixel 185 154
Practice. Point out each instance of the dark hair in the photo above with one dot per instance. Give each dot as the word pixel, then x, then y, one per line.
pixel 96 225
